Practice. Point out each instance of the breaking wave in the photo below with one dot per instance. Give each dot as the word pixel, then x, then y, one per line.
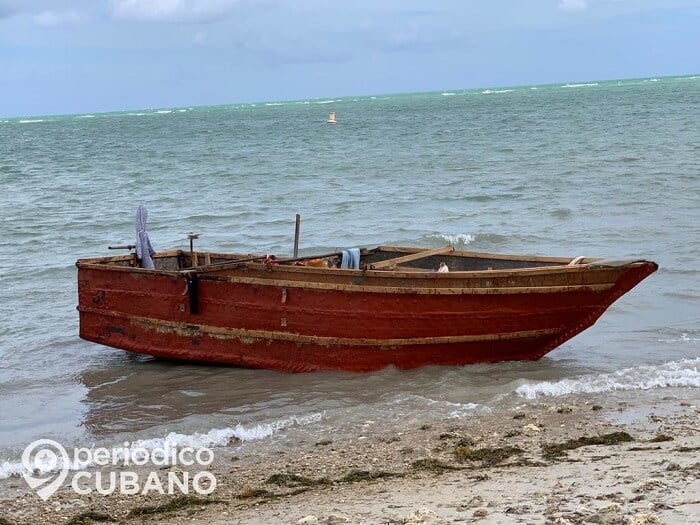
pixel 217 437
pixel 683 373
pixel 460 238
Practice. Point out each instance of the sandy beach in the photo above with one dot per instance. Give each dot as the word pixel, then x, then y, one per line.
pixel 595 459
pixel 546 154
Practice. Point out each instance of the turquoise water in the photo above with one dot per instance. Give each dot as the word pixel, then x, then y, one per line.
pixel 602 169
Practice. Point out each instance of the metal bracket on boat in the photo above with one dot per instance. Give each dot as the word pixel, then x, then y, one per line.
pixel 191 236
pixel 132 251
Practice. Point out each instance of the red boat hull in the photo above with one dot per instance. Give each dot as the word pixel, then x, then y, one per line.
pixel 297 320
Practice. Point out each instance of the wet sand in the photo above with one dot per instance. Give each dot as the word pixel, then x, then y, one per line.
pixel 591 460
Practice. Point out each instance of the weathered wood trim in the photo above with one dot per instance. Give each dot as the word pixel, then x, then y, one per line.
pixel 408 290
pixel 251 336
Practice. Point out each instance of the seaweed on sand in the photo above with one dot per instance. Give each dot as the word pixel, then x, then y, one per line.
pixel 365 475
pixel 295 480
pixel 433 465
pixel 556 450
pixel 171 506
pixel 85 518
pixel 488 456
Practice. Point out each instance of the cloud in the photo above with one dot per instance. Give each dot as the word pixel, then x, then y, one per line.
pixel 572 6
pixel 173 10
pixel 58 18
pixel 48 12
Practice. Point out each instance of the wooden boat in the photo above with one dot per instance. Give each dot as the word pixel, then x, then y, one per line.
pixel 306 314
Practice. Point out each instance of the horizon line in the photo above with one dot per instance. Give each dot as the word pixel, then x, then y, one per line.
pixel 289 101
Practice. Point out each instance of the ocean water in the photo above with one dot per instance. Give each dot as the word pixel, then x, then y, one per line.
pixel 598 169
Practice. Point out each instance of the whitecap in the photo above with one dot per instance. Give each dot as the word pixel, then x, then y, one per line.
pixel 192 393
pixel 580 85
pixel 463 238
pixel 31 121
pixel 684 338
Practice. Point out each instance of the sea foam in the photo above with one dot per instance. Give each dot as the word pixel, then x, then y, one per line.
pixel 460 238
pixel 450 409
pixel 217 437
pixel 683 373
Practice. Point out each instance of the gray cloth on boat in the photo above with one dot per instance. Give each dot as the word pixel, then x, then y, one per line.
pixel 144 250
pixel 350 259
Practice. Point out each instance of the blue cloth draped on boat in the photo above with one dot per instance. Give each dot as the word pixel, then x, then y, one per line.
pixel 350 259
pixel 144 250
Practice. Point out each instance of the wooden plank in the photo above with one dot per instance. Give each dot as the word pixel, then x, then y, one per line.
pixel 411 269
pixel 197 330
pixel 483 255
pixel 408 290
pixel 391 263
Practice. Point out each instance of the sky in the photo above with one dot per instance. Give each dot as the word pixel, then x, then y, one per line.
pixel 81 56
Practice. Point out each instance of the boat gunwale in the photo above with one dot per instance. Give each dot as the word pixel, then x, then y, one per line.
pixel 413 282
pixel 204 272
pixel 176 252
pixel 408 289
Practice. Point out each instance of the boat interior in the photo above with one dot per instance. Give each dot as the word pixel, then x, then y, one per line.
pixel 381 258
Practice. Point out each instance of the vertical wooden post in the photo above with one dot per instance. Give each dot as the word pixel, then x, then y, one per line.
pixel 296 236
pixel 193 256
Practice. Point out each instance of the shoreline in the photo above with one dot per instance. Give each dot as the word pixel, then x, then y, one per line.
pixel 579 459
